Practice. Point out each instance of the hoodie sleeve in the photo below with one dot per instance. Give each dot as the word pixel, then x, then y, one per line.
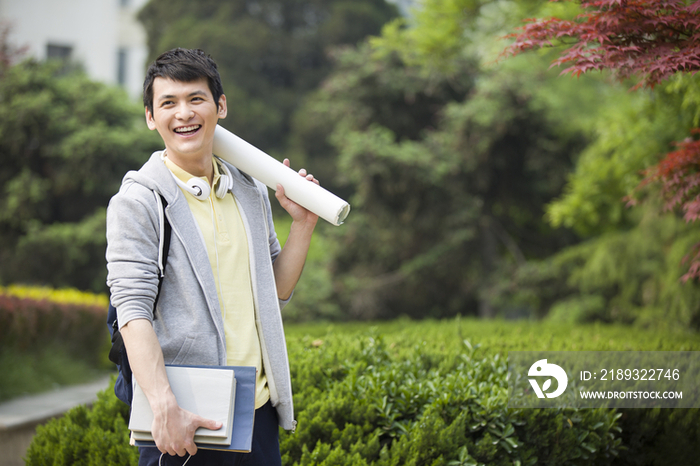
pixel 132 253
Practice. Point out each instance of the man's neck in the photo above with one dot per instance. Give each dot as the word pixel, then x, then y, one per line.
pixel 197 166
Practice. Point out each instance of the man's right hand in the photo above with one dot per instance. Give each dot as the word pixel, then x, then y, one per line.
pixel 173 429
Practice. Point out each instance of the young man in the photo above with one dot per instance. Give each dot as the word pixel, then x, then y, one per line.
pixel 227 277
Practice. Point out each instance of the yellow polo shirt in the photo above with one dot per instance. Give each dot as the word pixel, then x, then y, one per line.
pixel 227 246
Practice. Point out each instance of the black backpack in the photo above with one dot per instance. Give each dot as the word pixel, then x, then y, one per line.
pixel 123 387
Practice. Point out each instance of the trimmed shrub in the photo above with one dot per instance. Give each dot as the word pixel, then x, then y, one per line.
pixel 28 324
pixel 61 295
pixel 98 436
pixel 50 337
pixel 364 404
pixel 421 393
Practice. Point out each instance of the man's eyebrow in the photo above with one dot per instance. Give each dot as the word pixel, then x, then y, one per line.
pixel 191 94
pixel 197 92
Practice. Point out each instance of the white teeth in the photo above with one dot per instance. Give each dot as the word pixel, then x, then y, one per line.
pixel 186 129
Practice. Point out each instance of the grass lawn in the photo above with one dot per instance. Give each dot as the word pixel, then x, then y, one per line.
pixel 500 336
pixel 28 373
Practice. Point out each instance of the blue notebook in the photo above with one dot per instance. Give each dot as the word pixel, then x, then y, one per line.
pixel 243 414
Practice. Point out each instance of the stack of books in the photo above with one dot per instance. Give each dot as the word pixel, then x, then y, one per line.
pixel 222 393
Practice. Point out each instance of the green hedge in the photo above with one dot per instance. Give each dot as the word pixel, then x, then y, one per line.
pixel 364 404
pixel 423 393
pixel 96 436
pixel 28 324
pixel 52 338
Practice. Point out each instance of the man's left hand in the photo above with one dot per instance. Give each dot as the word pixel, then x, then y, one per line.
pixel 298 213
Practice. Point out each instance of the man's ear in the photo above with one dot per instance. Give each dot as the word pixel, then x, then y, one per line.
pixel 222 107
pixel 149 120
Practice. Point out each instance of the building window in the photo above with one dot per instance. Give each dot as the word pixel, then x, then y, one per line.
pixel 122 58
pixel 59 52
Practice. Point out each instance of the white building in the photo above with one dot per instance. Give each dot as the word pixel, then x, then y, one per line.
pixel 102 35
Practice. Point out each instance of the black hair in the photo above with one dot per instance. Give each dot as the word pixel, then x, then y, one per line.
pixel 185 65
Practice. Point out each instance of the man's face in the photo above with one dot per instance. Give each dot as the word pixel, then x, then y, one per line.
pixel 185 115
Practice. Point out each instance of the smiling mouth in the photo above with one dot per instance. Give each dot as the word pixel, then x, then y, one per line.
pixel 187 130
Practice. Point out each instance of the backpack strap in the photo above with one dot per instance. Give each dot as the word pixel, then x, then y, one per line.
pixel 164 246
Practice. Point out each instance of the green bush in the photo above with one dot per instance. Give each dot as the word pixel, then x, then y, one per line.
pixel 424 393
pixel 53 338
pixel 660 436
pixel 31 324
pixel 96 436
pixel 365 401
pixel 578 310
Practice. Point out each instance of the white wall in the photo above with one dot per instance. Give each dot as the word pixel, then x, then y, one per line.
pixel 96 30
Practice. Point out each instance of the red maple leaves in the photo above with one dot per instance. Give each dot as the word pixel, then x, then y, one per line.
pixel 679 175
pixel 652 39
pixel 648 38
pixel 680 171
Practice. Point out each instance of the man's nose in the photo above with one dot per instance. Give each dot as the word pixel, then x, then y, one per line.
pixel 184 112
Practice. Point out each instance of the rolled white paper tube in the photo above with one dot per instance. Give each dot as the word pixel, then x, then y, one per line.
pixel 270 171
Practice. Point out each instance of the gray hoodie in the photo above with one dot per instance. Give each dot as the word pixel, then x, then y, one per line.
pixel 188 319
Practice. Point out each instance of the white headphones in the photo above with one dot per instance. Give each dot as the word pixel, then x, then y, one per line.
pixel 201 189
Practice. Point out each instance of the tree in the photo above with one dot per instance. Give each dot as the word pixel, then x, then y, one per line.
pixel 651 38
pixel 9 53
pixel 680 177
pixel 648 38
pixel 270 53
pixel 628 132
pixel 65 144
pixel 626 275
pixel 449 175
